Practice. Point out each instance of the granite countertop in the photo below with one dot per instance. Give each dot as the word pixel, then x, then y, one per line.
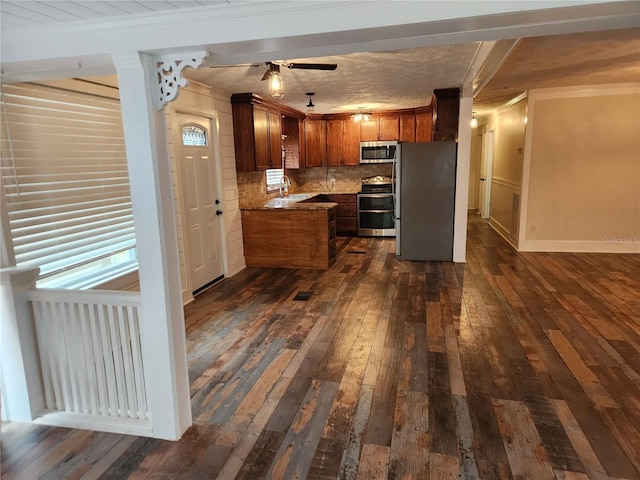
pixel 295 201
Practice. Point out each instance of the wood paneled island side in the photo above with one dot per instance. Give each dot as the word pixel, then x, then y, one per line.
pixel 301 236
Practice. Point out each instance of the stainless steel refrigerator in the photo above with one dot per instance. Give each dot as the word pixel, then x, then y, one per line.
pixel 425 197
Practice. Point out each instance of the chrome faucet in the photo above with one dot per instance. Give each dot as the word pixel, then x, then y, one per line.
pixel 285 183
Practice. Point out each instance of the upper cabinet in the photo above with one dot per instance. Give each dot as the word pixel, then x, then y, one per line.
pixel 380 128
pixel 265 132
pixel 315 142
pixel 266 138
pixel 335 150
pixel 257 132
pixel 424 126
pixel 407 128
pixel 351 143
pixel 343 142
pixel 447 105
pixel 292 142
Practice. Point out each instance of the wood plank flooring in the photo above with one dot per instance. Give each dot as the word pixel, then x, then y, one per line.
pixel 512 365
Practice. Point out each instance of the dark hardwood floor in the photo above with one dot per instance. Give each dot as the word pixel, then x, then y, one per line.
pixel 509 366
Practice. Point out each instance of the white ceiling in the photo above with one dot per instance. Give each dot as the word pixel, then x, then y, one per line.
pixel 382 80
pixel 21 13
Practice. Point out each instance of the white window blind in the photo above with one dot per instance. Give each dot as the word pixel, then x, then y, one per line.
pixel 66 184
pixel 273 178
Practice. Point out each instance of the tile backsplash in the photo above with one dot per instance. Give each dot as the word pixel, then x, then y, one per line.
pixel 347 178
pixel 252 188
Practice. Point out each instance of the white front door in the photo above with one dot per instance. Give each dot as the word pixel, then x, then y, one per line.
pixel 486 167
pixel 202 202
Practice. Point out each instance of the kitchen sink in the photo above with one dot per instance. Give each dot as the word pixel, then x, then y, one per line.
pixel 297 196
pixel 280 202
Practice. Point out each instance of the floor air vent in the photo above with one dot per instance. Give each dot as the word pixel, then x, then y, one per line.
pixel 303 296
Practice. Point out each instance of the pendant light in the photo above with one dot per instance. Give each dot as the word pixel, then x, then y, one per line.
pixel 276 87
pixel 311 108
pixel 474 120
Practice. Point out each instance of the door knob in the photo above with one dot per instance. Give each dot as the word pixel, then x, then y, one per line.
pixel 217 201
pixel 218 212
pixel 482 179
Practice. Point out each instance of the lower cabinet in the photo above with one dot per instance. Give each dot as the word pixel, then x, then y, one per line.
pixel 289 237
pixel 346 213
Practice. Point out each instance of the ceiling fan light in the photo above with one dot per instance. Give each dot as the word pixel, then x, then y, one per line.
pixel 276 86
pixel 361 116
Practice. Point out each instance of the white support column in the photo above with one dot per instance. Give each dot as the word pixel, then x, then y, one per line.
pixel 462 180
pixel 22 392
pixel 162 326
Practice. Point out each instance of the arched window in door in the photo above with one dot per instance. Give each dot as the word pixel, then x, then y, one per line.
pixel 194 136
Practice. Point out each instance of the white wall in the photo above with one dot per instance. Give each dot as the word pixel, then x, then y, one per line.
pixel 201 100
pixel 506 181
pixel 582 170
pixel 474 168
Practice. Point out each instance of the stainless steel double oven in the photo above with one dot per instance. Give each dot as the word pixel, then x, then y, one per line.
pixel 376 207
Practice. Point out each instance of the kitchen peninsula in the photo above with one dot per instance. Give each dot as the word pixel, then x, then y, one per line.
pixel 287 233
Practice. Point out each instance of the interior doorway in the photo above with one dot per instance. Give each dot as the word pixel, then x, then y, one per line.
pixel 486 168
pixel 202 202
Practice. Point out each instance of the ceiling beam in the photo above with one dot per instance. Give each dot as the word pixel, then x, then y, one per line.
pixel 258 31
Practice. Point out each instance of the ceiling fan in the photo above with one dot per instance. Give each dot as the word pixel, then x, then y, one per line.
pixel 276 87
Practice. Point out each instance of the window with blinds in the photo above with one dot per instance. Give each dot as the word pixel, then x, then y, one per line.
pixel 66 185
pixel 273 178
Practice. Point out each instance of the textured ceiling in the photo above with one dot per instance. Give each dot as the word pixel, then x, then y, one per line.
pixel 402 79
pixel 382 80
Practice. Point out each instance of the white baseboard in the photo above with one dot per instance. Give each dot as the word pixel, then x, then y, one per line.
pixel 125 426
pixel 583 246
pixel 502 231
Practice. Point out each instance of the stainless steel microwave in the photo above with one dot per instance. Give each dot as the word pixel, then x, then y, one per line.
pixel 378 152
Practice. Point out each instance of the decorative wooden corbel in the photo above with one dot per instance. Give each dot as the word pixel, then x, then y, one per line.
pixel 170 77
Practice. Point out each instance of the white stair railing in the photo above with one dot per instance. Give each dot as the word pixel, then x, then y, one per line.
pixel 91 358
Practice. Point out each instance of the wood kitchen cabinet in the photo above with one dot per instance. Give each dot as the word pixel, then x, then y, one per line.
pixel 424 126
pixel 275 140
pixel 292 142
pixel 447 105
pixel 380 128
pixel 343 142
pixel 407 128
pixel 351 143
pixel 289 237
pixel 267 132
pixel 335 150
pixel 257 137
pixel 346 213
pixel 315 143
pixel 257 132
pixel 263 129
